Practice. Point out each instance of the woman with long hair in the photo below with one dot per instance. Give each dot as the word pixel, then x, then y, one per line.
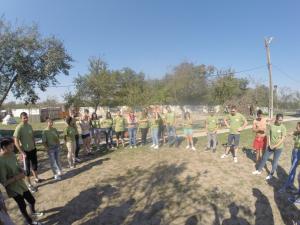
pixel 95 129
pixel 106 125
pixel 144 126
pixel 188 130
pixel 132 128
pixel 85 132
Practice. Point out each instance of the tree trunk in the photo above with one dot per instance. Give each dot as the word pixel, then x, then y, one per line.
pixel 8 89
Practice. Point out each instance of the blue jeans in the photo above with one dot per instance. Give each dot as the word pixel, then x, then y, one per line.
pixel 154 132
pixel 108 135
pixel 53 153
pixel 172 138
pixel 268 153
pixel 292 173
pixel 132 136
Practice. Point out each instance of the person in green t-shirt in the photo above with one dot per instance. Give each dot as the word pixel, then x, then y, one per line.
pixel 119 124
pixel 276 137
pixel 289 184
pixel 106 125
pixel 95 129
pixel 50 138
pixel 143 123
pixel 69 137
pixel 11 177
pixel 170 120
pixel 236 122
pixel 24 141
pixel 75 125
pixel 154 126
pixel 188 130
pixel 211 125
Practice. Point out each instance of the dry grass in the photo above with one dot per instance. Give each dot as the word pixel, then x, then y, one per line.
pixel 169 186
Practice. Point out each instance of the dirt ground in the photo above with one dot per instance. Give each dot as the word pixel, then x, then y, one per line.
pixel 171 186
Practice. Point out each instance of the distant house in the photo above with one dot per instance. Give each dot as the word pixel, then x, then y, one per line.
pixel 40 114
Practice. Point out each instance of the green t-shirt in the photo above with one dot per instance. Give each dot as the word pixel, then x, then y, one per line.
pixel 143 124
pixel 50 137
pixel 170 119
pixel 212 123
pixel 297 141
pixel 187 124
pixel 235 122
pixel 24 133
pixel 106 123
pixel 9 168
pixel 154 123
pixel 95 124
pixel 276 134
pixel 119 123
pixel 69 133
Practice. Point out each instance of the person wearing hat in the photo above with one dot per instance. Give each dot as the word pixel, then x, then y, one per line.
pixel 211 126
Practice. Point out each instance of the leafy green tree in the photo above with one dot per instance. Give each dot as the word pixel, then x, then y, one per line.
pixel 226 87
pixel 28 61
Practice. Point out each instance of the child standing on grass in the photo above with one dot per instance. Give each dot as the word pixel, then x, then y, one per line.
pixel 288 186
pixel 12 178
pixel 188 130
pixel 51 142
pixel 260 141
pixel 69 137
pixel 119 126
pixel 154 125
pixel 211 125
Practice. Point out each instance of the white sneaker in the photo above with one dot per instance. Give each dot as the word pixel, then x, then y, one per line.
pixel 269 177
pixel 256 172
pixel 57 177
pixel 224 156
pixel 193 148
pixel 135 146
pixel 59 173
pixel 156 147
pixel 187 147
pixel 38 214
pixel 235 159
pixel 131 146
pixel 152 146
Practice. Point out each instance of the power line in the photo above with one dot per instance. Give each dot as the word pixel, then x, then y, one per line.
pixel 286 74
pixel 211 75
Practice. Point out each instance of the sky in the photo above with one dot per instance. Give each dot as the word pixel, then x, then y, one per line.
pixel 153 36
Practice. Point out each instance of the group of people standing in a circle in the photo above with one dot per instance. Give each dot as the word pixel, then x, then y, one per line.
pixel 269 139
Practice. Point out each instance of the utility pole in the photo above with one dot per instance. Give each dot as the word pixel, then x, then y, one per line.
pixel 271 104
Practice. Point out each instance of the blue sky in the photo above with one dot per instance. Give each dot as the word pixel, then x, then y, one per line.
pixel 154 35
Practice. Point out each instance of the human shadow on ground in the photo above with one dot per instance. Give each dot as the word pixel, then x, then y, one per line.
pixel 288 211
pixel 234 211
pixel 160 194
pixel 74 172
pixel 263 210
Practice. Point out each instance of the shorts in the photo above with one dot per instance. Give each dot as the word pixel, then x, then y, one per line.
pixel 233 140
pixel 188 131
pixel 30 161
pixel 260 143
pixel 84 136
pixel 120 134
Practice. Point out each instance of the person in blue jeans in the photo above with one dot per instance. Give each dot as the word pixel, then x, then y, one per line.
pixel 132 129
pixel 276 137
pixel 154 126
pixel 288 186
pixel 170 120
pixel 51 142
